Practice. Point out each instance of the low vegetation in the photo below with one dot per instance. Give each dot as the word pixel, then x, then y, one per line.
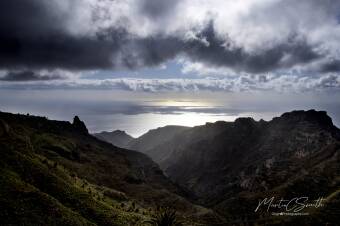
pixel 52 174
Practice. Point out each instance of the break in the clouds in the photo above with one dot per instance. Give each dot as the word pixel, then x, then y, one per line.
pixel 242 36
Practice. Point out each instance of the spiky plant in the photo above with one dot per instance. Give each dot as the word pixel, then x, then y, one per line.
pixel 165 217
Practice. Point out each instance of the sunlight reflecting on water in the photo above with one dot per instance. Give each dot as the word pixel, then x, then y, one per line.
pixel 184 119
pixel 137 112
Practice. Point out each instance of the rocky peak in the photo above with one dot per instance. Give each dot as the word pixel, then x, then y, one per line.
pixel 119 132
pixel 311 116
pixel 79 125
pixel 245 123
pixel 118 138
pixel 244 120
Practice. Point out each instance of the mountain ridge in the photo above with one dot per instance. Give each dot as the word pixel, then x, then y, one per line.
pixel 118 138
pixel 221 162
pixel 55 173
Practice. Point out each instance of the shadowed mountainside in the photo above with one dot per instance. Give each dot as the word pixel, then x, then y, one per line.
pixel 229 166
pixel 118 138
pixel 55 173
pixel 148 142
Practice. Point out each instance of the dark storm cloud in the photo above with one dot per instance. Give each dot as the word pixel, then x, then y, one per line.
pixel 157 8
pixel 29 76
pixel 32 35
pixel 56 51
pixel 153 51
pixel 35 35
pixel 28 19
pixel 332 66
pixel 215 53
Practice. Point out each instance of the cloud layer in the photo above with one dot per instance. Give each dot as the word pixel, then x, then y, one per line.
pixel 16 76
pixel 243 36
pixel 246 82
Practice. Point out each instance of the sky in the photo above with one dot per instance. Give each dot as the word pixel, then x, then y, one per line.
pixel 140 64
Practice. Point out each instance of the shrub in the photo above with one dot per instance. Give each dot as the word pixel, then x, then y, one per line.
pixel 165 217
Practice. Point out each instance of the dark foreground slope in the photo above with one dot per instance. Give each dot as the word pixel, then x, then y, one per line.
pixel 230 166
pixel 55 173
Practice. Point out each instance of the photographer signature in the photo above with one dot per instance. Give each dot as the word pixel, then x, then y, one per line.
pixel 296 204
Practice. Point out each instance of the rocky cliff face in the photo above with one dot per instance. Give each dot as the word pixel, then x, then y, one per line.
pixel 79 125
pixel 229 166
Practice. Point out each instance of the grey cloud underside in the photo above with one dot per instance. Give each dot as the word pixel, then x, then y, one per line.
pixel 29 76
pixel 215 54
pixel 32 35
pixel 156 9
pixel 332 66
pixel 35 36
pixel 55 52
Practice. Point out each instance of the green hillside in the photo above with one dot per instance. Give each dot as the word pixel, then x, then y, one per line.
pixel 55 173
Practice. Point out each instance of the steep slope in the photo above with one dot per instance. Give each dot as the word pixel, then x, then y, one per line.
pixel 118 138
pixel 55 173
pixel 231 165
pixel 148 142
